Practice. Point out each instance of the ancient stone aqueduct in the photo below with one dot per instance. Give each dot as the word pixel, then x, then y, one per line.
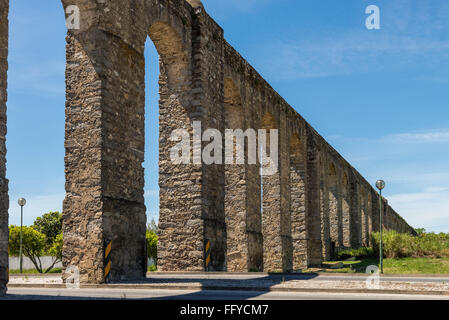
pixel 315 203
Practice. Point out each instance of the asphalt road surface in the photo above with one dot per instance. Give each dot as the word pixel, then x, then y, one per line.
pixel 287 277
pixel 121 294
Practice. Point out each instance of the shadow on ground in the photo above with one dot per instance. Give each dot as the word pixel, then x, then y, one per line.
pixel 231 289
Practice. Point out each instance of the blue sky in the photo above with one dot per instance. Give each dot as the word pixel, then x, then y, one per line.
pixel 380 97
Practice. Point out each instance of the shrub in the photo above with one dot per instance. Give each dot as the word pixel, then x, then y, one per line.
pixel 152 240
pixel 152 268
pixel 399 245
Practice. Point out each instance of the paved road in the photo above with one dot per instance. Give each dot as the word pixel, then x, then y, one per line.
pixel 187 277
pixel 65 294
pixel 289 277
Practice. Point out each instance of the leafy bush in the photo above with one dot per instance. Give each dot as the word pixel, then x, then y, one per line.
pixel 152 239
pixel 152 268
pixel 43 238
pixel 398 245
pixel 34 246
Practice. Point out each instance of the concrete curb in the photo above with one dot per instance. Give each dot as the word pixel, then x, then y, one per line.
pixel 228 288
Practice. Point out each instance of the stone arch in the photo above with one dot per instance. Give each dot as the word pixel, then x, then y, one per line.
pixel 105 144
pixel 175 113
pixel 298 202
pixel 173 54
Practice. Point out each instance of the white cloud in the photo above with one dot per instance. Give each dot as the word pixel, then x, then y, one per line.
pixel 230 6
pixel 433 136
pixel 152 193
pixel 417 177
pixel 428 209
pixel 351 53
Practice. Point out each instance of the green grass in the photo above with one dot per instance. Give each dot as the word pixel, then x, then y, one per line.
pixel 391 266
pixel 152 268
pixel 34 271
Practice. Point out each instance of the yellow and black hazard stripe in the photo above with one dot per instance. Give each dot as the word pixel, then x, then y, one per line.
pixel 107 260
pixel 207 254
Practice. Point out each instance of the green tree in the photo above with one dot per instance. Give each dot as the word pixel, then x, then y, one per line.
pixel 50 224
pixel 152 239
pixel 152 226
pixel 34 245
pixel 56 248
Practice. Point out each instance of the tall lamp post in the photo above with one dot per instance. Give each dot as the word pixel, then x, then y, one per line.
pixel 22 202
pixel 380 184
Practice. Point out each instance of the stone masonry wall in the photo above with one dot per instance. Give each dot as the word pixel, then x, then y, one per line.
pixel 4 200
pixel 315 203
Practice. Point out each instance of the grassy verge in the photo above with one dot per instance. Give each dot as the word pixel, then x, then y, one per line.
pixel 34 271
pixel 391 266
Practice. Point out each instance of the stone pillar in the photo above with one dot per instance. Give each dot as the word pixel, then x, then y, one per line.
pixel 375 210
pixel 104 154
pixel 325 211
pixel 336 233
pixel 355 213
pixel 207 105
pixel 242 198
pixel 273 249
pixel 365 224
pixel 370 217
pixel 286 215
pixel 314 206
pixel 346 210
pixel 4 199
pixel 298 201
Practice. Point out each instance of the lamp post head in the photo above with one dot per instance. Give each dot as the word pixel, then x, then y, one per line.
pixel 380 184
pixel 22 202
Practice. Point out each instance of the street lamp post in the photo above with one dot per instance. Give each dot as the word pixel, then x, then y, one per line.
pixel 380 184
pixel 22 202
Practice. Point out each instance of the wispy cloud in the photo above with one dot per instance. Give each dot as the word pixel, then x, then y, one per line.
pixel 432 136
pixel 415 168
pixel 45 78
pixel 428 208
pixel 412 32
pixel 236 5
pixel 353 53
